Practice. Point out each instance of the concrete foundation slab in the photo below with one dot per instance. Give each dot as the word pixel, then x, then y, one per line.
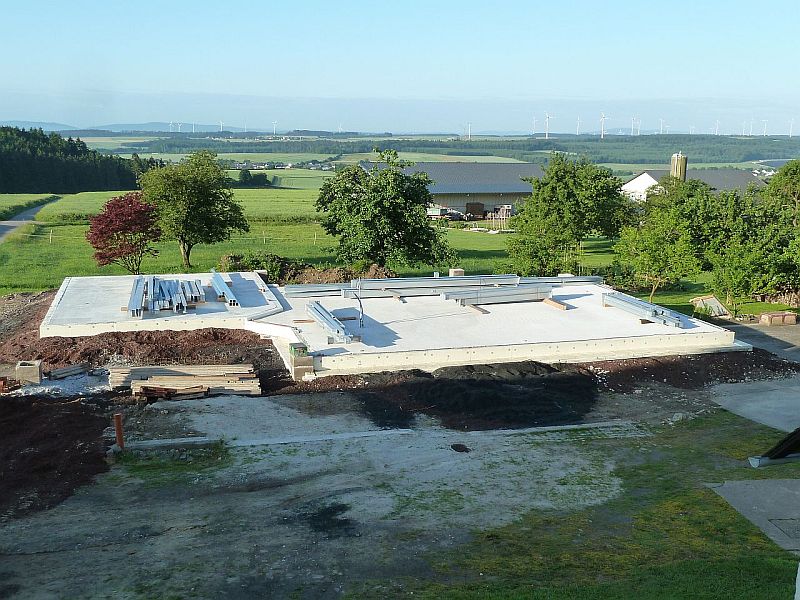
pixel 773 505
pixel 91 305
pixel 775 402
pixel 421 332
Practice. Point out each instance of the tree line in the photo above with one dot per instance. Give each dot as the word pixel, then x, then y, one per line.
pixel 32 161
pixel 612 149
pixel 749 243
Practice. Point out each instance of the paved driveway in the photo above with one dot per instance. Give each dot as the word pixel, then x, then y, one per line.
pixel 18 220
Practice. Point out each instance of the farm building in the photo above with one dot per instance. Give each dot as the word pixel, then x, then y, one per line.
pixel 476 188
pixel 718 179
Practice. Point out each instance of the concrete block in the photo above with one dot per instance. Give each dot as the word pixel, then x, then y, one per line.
pixel 302 361
pixel 456 272
pixel 298 373
pixel 779 318
pixel 29 371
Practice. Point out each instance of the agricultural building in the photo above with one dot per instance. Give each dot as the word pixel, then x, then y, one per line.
pixel 717 179
pixel 476 188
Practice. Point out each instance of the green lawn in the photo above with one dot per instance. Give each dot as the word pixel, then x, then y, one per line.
pixel 75 208
pixel 12 204
pixel 667 535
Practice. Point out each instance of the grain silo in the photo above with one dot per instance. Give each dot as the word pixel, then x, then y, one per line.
pixel 677 166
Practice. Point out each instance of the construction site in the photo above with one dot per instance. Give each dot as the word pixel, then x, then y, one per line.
pixel 327 439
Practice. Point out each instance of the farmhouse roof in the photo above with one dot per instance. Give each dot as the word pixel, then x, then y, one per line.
pixel 716 179
pixel 475 178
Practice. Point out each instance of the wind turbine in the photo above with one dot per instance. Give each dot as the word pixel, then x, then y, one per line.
pixel 192 126
pixel 179 127
pixel 603 125
pixel 661 126
pixel 633 122
pixel 469 132
pixel 274 125
pixel 534 127
pixel 547 118
pixel 751 127
pixel 791 127
pixel 743 126
pixel 691 129
pixel 765 127
pixel 716 129
pixel 221 125
pixel 578 126
pixel 170 126
pixel 639 126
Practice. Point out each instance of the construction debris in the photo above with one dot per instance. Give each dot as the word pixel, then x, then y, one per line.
pixel 183 382
pixel 711 305
pixel 68 371
pixel 8 385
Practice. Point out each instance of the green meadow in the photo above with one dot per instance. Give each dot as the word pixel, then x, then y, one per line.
pixel 12 204
pixel 282 221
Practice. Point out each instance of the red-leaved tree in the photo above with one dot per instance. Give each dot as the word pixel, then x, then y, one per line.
pixel 124 231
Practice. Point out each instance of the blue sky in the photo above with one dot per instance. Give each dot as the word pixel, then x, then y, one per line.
pixel 402 66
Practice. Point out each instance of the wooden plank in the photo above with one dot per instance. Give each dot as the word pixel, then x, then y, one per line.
pixel 555 303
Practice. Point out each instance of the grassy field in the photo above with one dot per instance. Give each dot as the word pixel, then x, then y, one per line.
pixel 75 208
pixel 12 204
pixel 112 143
pixel 284 222
pixel 284 157
pixel 427 157
pixel 305 179
pixel 667 536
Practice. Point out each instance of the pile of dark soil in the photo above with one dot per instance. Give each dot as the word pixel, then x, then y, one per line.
pixel 48 448
pixel 215 346
pixel 688 372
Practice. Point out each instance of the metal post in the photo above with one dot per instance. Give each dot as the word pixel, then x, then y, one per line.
pixel 118 431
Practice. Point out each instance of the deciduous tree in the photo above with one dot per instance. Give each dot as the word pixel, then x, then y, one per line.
pixel 124 231
pixel 659 251
pixel 380 215
pixel 195 204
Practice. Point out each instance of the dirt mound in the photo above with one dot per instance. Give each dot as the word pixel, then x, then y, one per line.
pixel 49 448
pixel 215 346
pixel 340 274
pixel 688 372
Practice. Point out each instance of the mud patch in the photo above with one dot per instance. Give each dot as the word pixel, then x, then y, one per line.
pixel 49 448
pixel 329 521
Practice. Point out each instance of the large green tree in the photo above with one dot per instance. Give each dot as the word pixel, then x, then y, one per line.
pixel 195 204
pixel 380 215
pixel 572 199
pixel 784 187
pixel 658 251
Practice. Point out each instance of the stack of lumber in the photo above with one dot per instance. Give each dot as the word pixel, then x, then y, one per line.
pixel 186 381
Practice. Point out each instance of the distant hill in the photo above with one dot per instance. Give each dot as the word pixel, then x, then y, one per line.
pixel 37 125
